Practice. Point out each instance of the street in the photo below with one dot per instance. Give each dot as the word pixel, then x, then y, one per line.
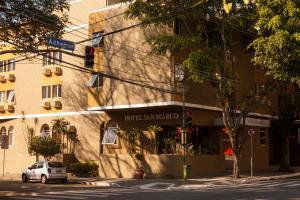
pixel 279 189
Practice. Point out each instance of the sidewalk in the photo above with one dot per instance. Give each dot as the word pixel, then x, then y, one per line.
pixel 163 184
pixel 178 183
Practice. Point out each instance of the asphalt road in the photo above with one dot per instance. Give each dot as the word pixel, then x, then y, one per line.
pixel 280 189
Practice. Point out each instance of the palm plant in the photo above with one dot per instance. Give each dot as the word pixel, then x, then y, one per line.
pixel 60 126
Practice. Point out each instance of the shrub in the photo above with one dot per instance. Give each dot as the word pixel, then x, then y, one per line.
pixel 45 146
pixel 89 168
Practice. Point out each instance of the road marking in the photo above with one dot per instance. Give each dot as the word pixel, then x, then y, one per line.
pixel 79 193
pixel 59 196
pixel 31 198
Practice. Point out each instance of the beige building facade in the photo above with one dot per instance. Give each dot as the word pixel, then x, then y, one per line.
pixel 137 91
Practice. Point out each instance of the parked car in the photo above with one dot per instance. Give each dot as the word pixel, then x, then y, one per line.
pixel 45 171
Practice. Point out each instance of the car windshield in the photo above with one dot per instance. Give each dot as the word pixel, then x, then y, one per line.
pixel 55 164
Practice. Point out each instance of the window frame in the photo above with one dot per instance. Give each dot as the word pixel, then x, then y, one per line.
pixel 47 59
pixel 3 66
pixel 98 42
pixel 263 130
pixel 56 91
pixel 2 132
pixel 111 126
pixel 45 130
pixel 46 92
pixel 13 98
pixel 11 136
pixel 2 98
pixel 9 62
pixel 57 57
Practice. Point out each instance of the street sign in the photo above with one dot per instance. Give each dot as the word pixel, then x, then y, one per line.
pixel 251 132
pixel 62 44
pixel 4 141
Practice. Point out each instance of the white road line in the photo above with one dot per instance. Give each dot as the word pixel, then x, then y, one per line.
pixel 59 196
pixel 81 194
pixel 32 198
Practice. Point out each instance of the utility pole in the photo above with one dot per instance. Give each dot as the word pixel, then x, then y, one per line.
pixel 184 132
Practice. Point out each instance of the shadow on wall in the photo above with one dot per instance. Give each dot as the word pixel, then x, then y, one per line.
pixel 125 57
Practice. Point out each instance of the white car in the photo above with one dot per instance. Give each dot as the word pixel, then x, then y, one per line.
pixel 45 171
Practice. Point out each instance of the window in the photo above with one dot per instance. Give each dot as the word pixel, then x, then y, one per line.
pixel 98 39
pixel 10 96
pixel 2 134
pixel 3 66
pixel 11 135
pixel 33 166
pixel 40 165
pixel 2 96
pixel 47 59
pixel 46 92
pixel 55 164
pixel 263 136
pixel 45 130
pixel 56 91
pixel 57 57
pixel 110 134
pixel 96 81
pixel 178 27
pixel 11 65
pixel 52 58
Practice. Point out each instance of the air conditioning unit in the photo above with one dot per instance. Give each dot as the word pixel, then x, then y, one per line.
pixel 11 77
pixel 56 104
pixel 2 110
pixel 45 104
pixel 56 70
pixel 47 71
pixel 10 108
pixel 2 79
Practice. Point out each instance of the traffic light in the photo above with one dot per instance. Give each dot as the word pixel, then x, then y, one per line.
pixel 188 120
pixel 89 56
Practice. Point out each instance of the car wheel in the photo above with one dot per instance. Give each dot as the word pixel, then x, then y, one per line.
pixel 24 178
pixel 64 180
pixel 44 179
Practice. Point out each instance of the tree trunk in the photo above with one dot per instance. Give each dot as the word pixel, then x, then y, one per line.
pixel 285 161
pixel 236 163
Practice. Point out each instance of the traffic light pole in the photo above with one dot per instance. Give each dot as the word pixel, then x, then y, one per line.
pixel 184 133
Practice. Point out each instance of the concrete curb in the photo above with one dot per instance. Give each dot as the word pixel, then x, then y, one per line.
pixel 267 178
pixel 100 183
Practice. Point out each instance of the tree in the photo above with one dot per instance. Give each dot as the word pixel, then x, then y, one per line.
pixel 204 31
pixel 277 48
pixel 45 146
pixel 60 128
pixel 28 23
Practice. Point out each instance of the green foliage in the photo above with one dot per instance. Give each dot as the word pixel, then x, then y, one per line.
pixel 45 146
pixel 277 46
pixel 155 128
pixel 202 63
pixel 28 23
pixel 60 125
pixel 89 168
